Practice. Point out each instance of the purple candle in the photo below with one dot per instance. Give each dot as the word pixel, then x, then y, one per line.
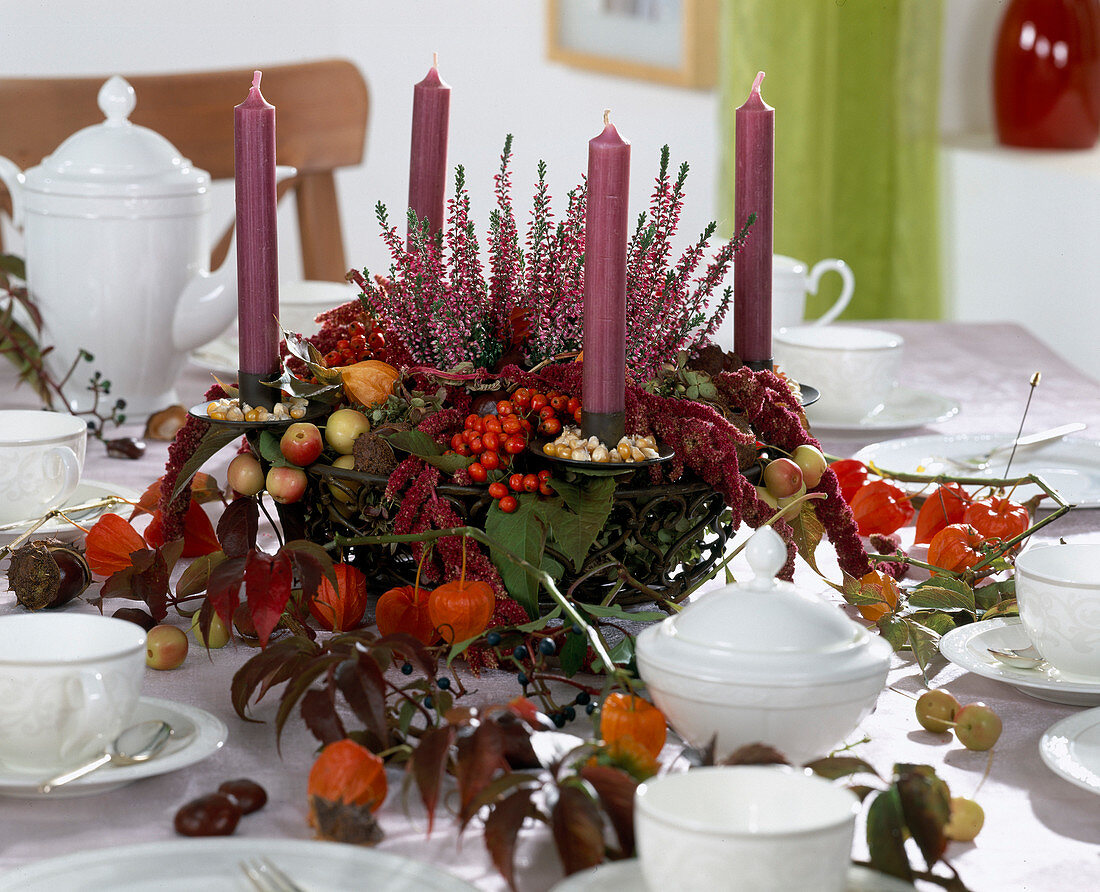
pixel 753 185
pixel 257 243
pixel 428 153
pixel 605 238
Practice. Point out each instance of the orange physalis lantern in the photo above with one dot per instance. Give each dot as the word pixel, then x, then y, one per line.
pixel 110 543
pixel 346 783
pixel 369 383
pixel 625 715
pixel 405 609
pixel 341 608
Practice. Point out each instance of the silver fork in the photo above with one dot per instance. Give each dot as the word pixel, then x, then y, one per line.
pixel 266 877
pixel 982 461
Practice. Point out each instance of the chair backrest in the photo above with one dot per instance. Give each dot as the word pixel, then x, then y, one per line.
pixel 321 124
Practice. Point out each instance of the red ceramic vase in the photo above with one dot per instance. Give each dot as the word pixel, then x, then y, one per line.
pixel 1046 77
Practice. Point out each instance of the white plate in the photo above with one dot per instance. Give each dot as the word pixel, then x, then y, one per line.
pixel 196 734
pixel 1071 749
pixel 1071 466
pixel 220 355
pixel 212 865
pixel 618 876
pixel 968 647
pixel 86 491
pixel 906 408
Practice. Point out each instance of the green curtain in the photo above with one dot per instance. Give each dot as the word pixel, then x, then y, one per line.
pixel 855 87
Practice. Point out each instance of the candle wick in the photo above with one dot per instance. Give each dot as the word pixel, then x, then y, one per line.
pixel 256 75
pixel 606 116
pixel 435 60
pixel 756 83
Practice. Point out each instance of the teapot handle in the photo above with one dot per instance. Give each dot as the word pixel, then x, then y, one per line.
pixel 12 178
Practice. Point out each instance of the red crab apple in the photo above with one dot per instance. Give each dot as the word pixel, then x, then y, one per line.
pixel 812 462
pixel 343 426
pixel 302 443
pixel 286 485
pixel 245 475
pixel 977 726
pixel 782 478
pixel 165 647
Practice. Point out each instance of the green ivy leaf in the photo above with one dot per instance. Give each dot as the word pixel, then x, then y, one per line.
pixel 943 593
pixel 575 524
pixel 523 532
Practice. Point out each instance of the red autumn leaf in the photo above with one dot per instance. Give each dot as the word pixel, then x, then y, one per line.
pixel 429 764
pixel 224 586
pixel 945 506
pixel 502 829
pixel 237 527
pixel 198 532
pixel 578 830
pixel 480 756
pixel 267 581
pixel 110 543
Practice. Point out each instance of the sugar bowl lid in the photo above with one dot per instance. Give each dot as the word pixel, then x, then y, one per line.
pixel 116 158
pixel 766 631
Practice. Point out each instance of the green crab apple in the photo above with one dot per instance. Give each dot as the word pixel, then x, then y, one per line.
pixel 977 726
pixel 218 635
pixel 343 426
pixel 245 475
pixel 936 710
pixel 966 821
pixel 165 647
pixel 812 462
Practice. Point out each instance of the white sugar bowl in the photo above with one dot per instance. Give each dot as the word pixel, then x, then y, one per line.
pixel 763 663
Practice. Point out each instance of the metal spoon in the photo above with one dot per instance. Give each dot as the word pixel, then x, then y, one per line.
pixel 138 743
pixel 983 461
pixel 1018 658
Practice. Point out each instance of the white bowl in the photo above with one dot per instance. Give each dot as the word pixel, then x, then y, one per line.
pixel 744 829
pixel 763 663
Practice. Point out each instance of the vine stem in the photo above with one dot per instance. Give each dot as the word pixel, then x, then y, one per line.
pixel 544 578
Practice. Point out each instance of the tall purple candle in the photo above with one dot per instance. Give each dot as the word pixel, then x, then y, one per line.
pixel 605 237
pixel 753 194
pixel 257 243
pixel 428 152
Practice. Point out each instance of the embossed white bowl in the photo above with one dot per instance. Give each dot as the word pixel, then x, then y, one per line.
pixel 1058 590
pixel 744 829
pixel 69 683
pixel 763 663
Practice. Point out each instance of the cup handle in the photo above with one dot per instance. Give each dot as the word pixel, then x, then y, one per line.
pixel 813 281
pixel 88 698
pixel 70 465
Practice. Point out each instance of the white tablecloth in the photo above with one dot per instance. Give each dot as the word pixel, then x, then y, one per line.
pixel 1042 834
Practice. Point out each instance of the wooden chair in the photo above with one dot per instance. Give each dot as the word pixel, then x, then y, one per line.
pixel 321 123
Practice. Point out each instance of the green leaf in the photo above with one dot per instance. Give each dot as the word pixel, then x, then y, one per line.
pixel 213 441
pixel 268 445
pixel 573 653
pixel 926 805
pixel 575 525
pixel 940 623
pixel 194 578
pixel 808 531
pixel 13 266
pixel 833 767
pixel 523 533
pixel 1005 608
pixel 894 631
pixel 886 836
pixel 943 593
pixel 424 447
pixel 988 596
pixel 614 611
pixel 924 643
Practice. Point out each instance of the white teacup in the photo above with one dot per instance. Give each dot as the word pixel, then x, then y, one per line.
pixel 744 829
pixel 41 458
pixel 1058 590
pixel 854 368
pixel 69 683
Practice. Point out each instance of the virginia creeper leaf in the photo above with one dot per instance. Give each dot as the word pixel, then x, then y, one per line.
pixel 886 835
pixel 237 527
pixel 267 581
pixel 480 756
pixel 578 829
pixel 320 716
pixel 429 763
pixel 361 682
pixel 926 804
pixel 501 829
pixel 616 791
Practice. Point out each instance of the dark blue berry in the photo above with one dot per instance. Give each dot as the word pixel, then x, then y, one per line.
pixel 493 639
pixel 520 653
pixel 427 702
pixel 582 698
pixel 570 713
pixel 522 679
pixel 407 669
pixel 577 629
pixel 443 683
pixel 548 647
pixel 590 708
pixel 558 719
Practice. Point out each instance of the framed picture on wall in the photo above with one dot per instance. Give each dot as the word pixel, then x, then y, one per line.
pixel 668 41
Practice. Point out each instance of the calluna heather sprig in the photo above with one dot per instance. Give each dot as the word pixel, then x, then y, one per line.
pixel 441 307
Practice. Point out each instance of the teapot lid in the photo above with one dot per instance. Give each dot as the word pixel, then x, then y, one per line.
pixel 117 157
pixel 765 628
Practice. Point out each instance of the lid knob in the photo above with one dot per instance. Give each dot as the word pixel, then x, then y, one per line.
pixel 766 553
pixel 116 100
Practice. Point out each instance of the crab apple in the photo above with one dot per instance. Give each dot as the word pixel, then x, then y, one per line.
pixel 343 426
pixel 782 478
pixel 245 475
pixel 812 462
pixel 286 485
pixel 977 726
pixel 218 635
pixel 936 710
pixel 302 444
pixel 165 647
pixel 967 818
pixel 345 492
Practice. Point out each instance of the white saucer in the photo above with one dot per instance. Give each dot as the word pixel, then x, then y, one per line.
pixel 616 876
pixel 1070 466
pixel 220 355
pixel 196 734
pixel 968 647
pixel 906 408
pixel 1071 749
pixel 183 865
pixel 86 491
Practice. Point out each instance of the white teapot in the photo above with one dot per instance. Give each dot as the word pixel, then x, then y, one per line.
pixel 117 232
